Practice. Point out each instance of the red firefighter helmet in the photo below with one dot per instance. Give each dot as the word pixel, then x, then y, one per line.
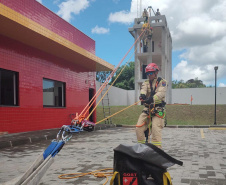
pixel 152 67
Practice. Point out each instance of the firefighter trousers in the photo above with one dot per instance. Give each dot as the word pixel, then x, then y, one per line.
pixel 155 131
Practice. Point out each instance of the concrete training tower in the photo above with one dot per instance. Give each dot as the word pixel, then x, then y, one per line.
pixel 156 48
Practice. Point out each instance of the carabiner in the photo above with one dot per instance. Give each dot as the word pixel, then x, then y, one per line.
pixel 64 129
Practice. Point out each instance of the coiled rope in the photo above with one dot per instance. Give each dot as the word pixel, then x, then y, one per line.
pixel 96 173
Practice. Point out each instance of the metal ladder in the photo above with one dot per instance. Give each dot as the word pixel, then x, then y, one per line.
pixel 106 105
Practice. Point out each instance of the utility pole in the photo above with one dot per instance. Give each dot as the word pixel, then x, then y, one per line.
pixel 215 116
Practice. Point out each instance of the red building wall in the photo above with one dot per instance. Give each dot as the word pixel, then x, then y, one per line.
pixel 33 65
pixel 43 16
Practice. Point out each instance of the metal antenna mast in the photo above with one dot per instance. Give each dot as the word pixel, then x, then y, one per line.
pixel 140 8
pixel 137 8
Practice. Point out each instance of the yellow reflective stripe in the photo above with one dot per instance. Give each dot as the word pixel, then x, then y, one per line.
pixel 157 143
pixel 166 176
pixel 155 98
pixel 141 141
pixel 158 101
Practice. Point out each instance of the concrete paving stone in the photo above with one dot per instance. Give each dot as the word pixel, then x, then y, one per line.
pixel 194 176
pixel 176 181
pixel 194 183
pixel 211 173
pixel 220 176
pixel 194 167
pixel 94 150
pixel 185 180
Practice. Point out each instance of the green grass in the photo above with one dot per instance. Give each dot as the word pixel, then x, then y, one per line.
pixel 176 114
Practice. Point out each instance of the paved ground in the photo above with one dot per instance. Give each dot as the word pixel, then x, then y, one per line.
pixel 202 150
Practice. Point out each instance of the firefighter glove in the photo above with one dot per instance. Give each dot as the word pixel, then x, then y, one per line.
pixel 142 97
pixel 149 100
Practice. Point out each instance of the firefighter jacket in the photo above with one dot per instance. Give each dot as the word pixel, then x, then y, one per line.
pixel 157 88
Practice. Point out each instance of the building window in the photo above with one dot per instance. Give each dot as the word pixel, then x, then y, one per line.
pixel 144 76
pixel 53 93
pixel 8 88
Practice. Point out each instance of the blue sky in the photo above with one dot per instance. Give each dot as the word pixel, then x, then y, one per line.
pixel 197 28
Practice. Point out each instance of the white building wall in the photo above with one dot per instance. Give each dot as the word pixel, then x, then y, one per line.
pixel 117 96
pixel 201 96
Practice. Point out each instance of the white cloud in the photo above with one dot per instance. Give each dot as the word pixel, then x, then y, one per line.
pixel 222 85
pixel 121 17
pixel 197 27
pixel 56 1
pixel 196 32
pixel 40 1
pixel 127 16
pixel 185 71
pixel 192 22
pixel 213 53
pixel 204 58
pixel 100 30
pixel 213 29
pixel 69 7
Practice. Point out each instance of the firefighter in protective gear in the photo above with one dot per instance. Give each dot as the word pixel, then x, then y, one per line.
pixel 152 94
pixel 145 15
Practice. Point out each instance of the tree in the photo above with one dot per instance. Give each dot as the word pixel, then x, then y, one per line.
pixel 192 83
pixel 178 84
pixel 101 76
pixel 195 83
pixel 126 78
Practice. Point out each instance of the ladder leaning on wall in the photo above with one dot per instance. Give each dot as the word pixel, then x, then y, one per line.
pixel 106 105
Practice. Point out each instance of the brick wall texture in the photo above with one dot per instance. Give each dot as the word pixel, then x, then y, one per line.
pixel 33 65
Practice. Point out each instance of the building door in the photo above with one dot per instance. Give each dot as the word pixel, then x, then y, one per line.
pixel 91 94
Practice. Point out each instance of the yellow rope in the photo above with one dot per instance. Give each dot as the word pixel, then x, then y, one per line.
pixel 117 112
pixel 91 102
pixel 115 79
pixel 96 173
pixel 111 85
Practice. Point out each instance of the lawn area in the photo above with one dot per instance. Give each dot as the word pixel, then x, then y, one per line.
pixel 176 114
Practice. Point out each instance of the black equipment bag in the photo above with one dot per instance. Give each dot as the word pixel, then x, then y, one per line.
pixel 142 164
